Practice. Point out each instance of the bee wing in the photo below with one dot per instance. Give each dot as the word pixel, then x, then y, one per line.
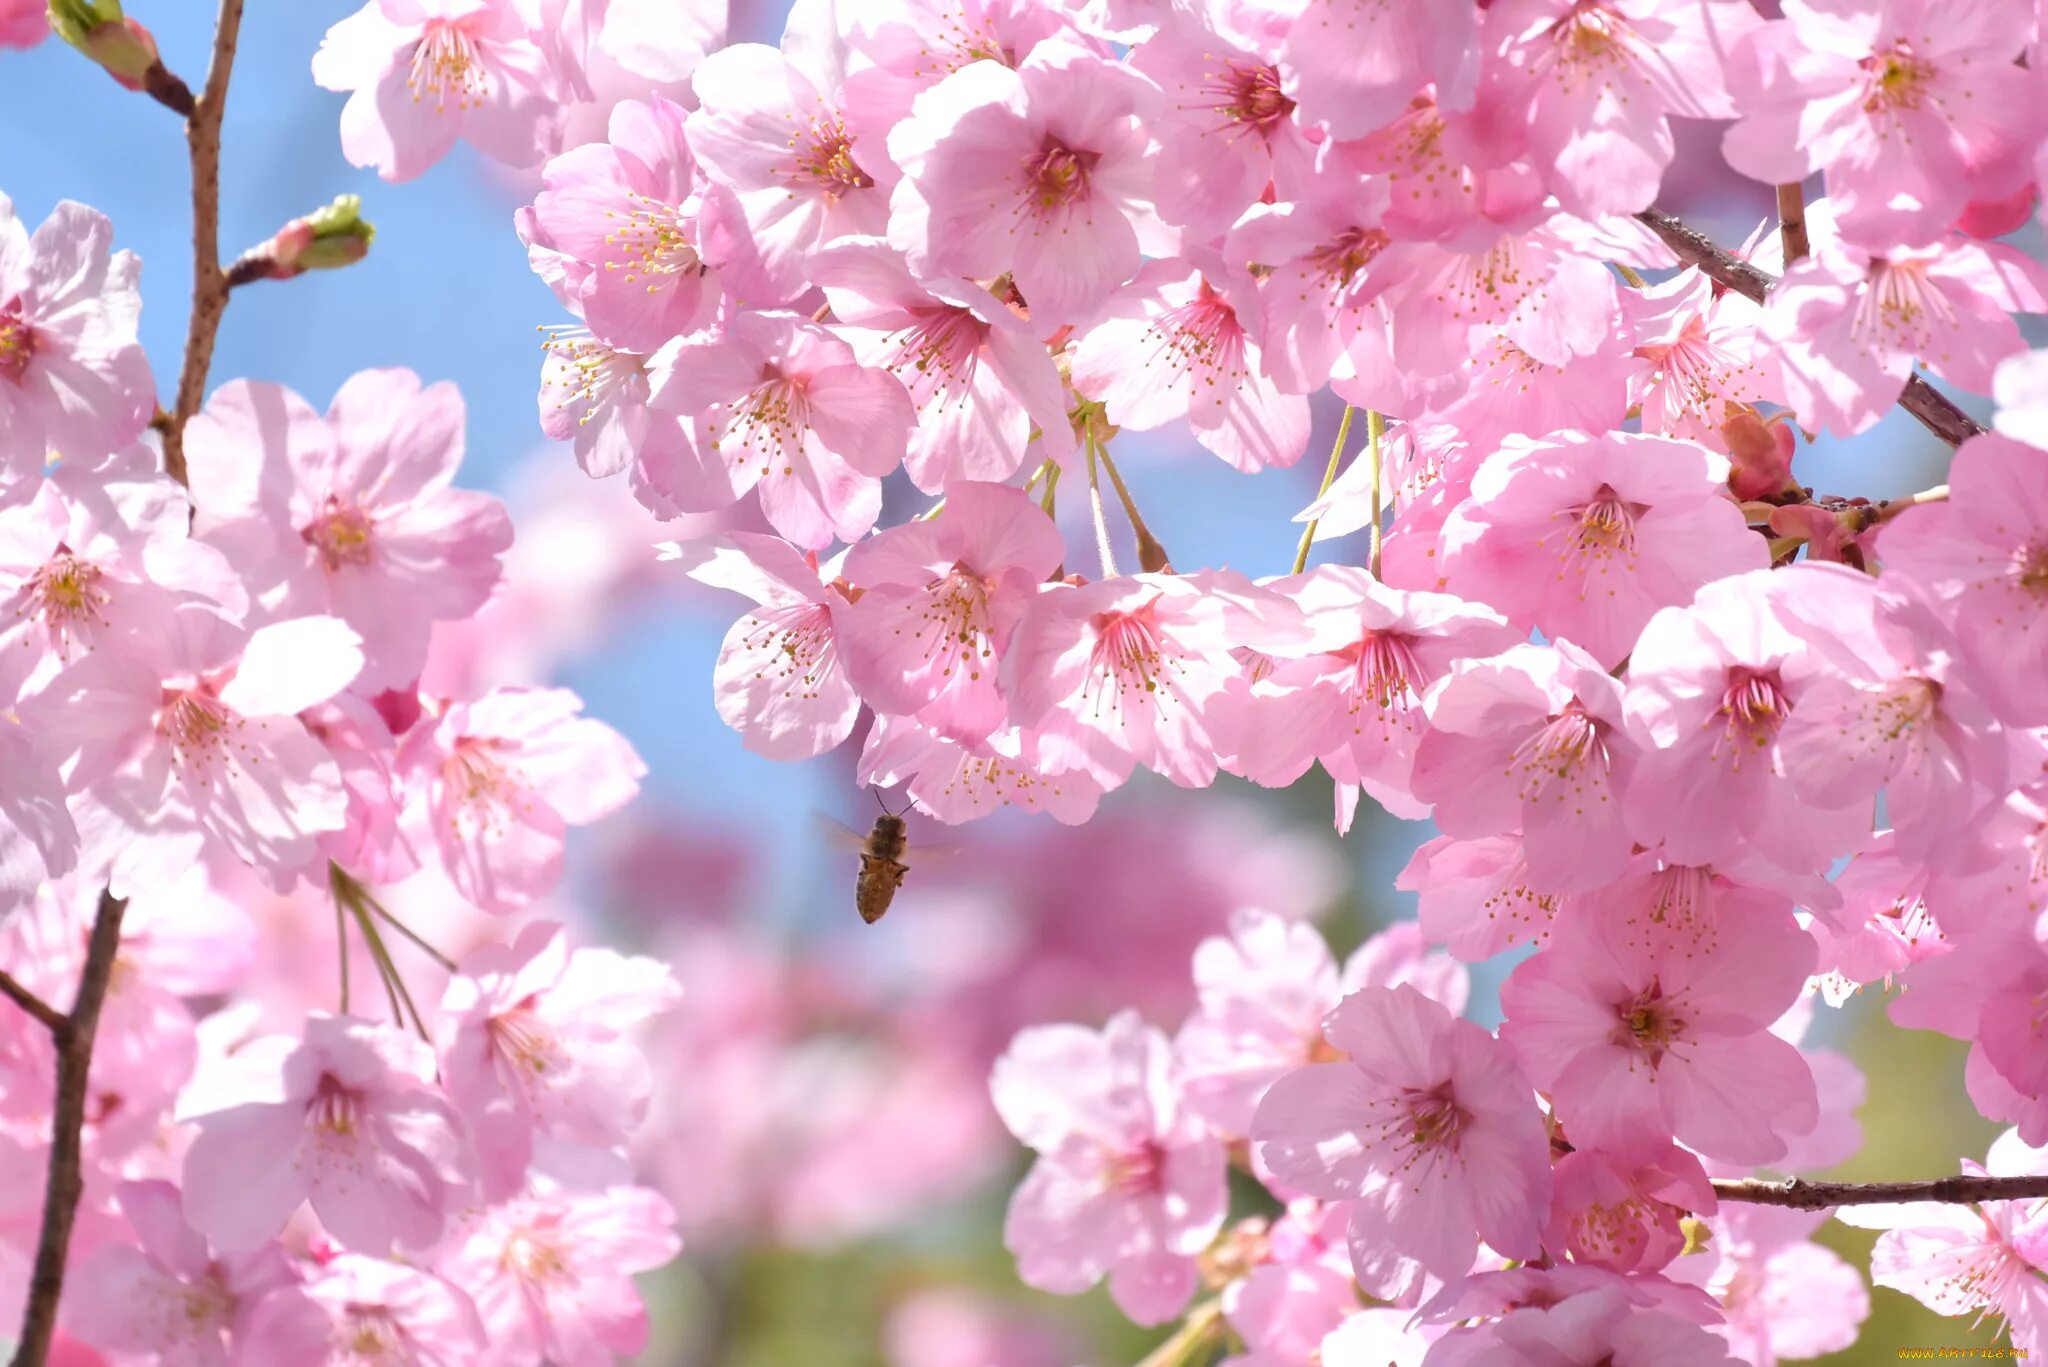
pixel 838 834
pixel 925 853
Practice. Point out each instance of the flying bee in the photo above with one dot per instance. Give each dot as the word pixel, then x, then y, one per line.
pixel 884 861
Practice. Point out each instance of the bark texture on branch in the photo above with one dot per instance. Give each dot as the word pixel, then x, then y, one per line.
pixel 1800 1194
pixel 1921 399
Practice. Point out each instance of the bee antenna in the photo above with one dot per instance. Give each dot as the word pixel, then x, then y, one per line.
pixel 879 802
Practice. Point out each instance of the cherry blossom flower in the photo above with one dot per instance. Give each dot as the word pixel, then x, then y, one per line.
pixel 77 381
pixel 1599 1325
pixel 345 1118
pixel 370 1310
pixel 1584 538
pixel 1353 65
pixel 552 1276
pixel 1641 1033
pixel 1626 1217
pixel 1910 108
pixel 423 73
pixel 597 397
pixel 902 50
pixel 781 404
pixel 533 1043
pixel 1042 172
pixel 1786 1297
pixel 1045 769
pixel 1702 375
pixel 1428 1131
pixel 497 780
pixel 1125 1184
pixel 779 680
pixel 351 515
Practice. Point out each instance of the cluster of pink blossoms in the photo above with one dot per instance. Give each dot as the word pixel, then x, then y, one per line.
pixel 1711 746
pixel 211 709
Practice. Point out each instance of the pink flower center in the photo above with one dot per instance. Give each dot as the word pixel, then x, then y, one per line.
pixel 2030 568
pixel 653 242
pixel 534 1255
pixel 1602 537
pixel 1432 1121
pixel 954 623
pixel 1895 79
pixel 201 731
pixel 802 636
pixel 1131 655
pixel 1339 260
pixel 1753 707
pixel 1140 1171
pixel 66 596
pixel 937 356
pixel 1650 1023
pixel 1202 338
pixel 1245 93
pixel 341 534
pixel 1592 36
pixel 590 372
pixel 446 62
pixel 826 162
pixel 476 776
pixel 335 1108
pixel 768 424
pixel 374 1336
pixel 1900 309
pixel 1057 176
pixel 1385 670
pixel 520 1038
pixel 17 342
pixel 1560 752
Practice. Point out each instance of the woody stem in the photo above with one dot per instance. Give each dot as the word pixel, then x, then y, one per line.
pixel 1800 1194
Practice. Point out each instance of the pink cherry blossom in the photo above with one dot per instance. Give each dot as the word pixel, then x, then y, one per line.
pixel 533 1043
pixel 1910 107
pixel 23 23
pixel 499 779
pixel 167 1293
pixel 622 216
pixel 781 404
pixel 1786 1297
pixel 1845 325
pixel 1353 65
pixel 1125 1183
pixel 1596 1326
pixel 346 1119
pixel 1640 1033
pixel 1042 172
pixel 780 680
pixel 77 381
pixel 1699 346
pixel 351 515
pixel 1175 345
pixel 1429 1131
pixel 422 73
pixel 1048 768
pixel 902 50
pixel 981 380
pixel 1626 1217
pixel 552 1276
pixel 1584 538
pixel 598 397
pixel 1533 741
pixel 939 600
pixel 1477 896
pixel 369 1310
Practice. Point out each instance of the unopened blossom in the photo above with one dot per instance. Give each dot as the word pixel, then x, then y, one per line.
pixel 167 1293
pixel 1042 172
pixel 423 73
pixel 939 601
pixel 351 515
pixel 1584 538
pixel 622 215
pixel 534 1043
pixel 769 128
pixel 1985 550
pixel 1134 666
pixel 346 1118
pixel 1264 992
pixel 1126 1184
pixel 1351 695
pixel 552 1276
pixel 494 783
pixel 359 1309
pixel 780 680
pixel 1428 1130
pixel 1641 1033
pixel 1534 741
pixel 780 404
pixel 981 379
pixel 73 379
pixel 1846 324
pixel 1175 345
pixel 1910 107
pixel 1594 85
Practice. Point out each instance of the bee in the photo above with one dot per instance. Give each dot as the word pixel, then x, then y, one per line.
pixel 884 862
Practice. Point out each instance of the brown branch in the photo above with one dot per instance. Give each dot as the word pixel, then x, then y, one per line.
pixel 1792 223
pixel 52 1019
pixel 209 282
pixel 1920 398
pixel 66 1182
pixel 1800 1194
pixel 164 86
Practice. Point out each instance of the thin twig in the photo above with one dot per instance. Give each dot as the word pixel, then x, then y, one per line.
pixel 407 931
pixel 341 946
pixel 1800 1194
pixel 209 282
pixel 1152 557
pixel 66 1179
pixel 1892 507
pixel 1308 533
pixel 1375 428
pixel 162 84
pixel 1095 510
pixel 1920 398
pixel 1792 223
pixel 52 1019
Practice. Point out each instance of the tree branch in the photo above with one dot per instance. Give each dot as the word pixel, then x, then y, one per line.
pixel 1920 398
pixel 209 282
pixel 66 1183
pixel 1800 1194
pixel 52 1019
pixel 1792 223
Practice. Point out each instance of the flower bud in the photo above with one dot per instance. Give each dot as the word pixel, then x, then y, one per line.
pixel 100 30
pixel 329 238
